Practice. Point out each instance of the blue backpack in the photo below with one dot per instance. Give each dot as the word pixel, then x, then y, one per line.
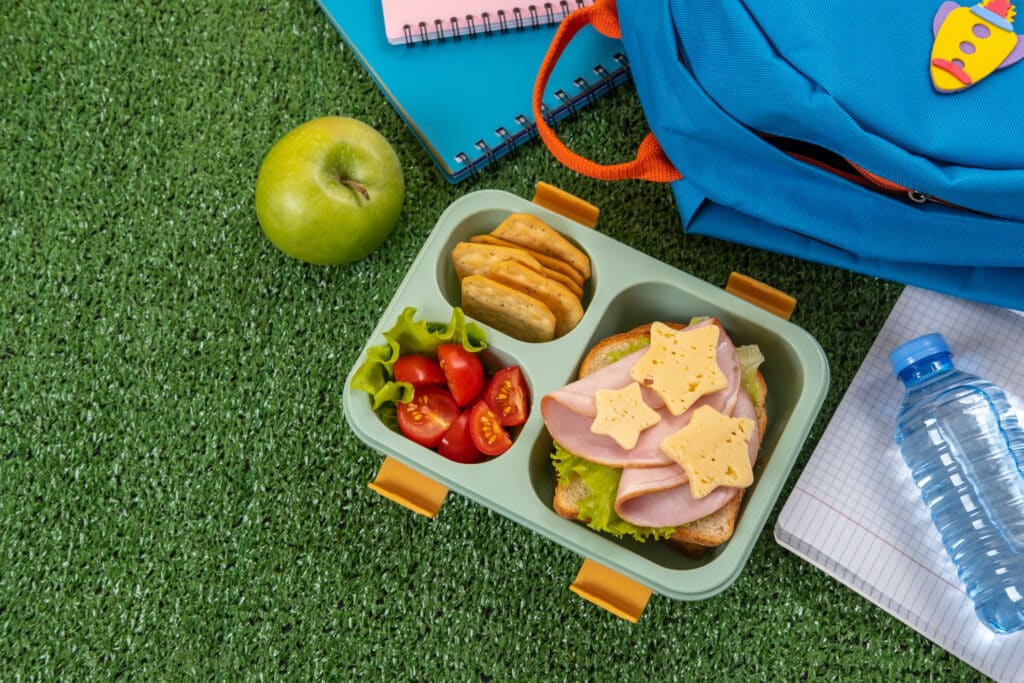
pixel 881 137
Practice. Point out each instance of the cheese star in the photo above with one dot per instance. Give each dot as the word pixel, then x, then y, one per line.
pixel 622 415
pixel 681 365
pixel 713 451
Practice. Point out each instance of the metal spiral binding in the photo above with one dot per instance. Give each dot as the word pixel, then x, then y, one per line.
pixel 566 101
pixel 526 124
pixel 585 88
pixel 487 23
pixel 546 112
pixel 502 21
pixel 506 137
pixel 518 16
pixel 587 92
pixel 606 80
pixel 485 149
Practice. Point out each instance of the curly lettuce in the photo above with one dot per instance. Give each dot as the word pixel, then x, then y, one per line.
pixel 750 357
pixel 376 375
pixel 633 347
pixel 641 342
pixel 597 508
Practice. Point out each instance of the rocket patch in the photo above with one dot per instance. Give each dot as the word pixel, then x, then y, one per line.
pixel 972 42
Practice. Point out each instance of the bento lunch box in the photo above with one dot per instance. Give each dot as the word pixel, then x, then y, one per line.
pixel 627 288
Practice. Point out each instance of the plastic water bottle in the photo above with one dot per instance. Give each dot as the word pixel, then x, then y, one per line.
pixel 965 449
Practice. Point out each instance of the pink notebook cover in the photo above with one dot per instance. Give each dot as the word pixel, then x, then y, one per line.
pixel 407 22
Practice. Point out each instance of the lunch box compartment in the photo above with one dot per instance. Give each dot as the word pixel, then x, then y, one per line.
pixel 481 223
pixel 627 289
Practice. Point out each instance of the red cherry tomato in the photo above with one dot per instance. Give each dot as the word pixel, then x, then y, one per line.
pixel 457 444
pixel 484 388
pixel 507 396
pixel 463 371
pixel 429 414
pixel 416 370
pixel 486 431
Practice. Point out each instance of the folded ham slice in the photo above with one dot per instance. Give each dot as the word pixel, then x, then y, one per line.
pixel 653 490
pixel 660 496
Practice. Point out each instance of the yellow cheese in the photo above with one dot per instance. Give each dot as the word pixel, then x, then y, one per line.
pixel 681 365
pixel 713 450
pixel 622 415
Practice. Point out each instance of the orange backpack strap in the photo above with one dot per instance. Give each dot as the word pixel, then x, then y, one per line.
pixel 650 162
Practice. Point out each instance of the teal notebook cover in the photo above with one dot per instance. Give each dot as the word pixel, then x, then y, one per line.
pixel 467 99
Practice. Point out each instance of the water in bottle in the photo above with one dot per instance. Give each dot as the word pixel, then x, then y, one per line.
pixel 965 449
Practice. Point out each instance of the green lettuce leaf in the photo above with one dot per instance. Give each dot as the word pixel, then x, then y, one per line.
pixel 632 347
pixel 750 358
pixel 598 506
pixel 376 375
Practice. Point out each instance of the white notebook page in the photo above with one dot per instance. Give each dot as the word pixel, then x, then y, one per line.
pixel 856 513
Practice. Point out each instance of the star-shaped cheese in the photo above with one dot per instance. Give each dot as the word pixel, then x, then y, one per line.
pixel 681 365
pixel 622 415
pixel 713 450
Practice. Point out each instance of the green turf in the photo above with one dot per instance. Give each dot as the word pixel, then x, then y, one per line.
pixel 180 496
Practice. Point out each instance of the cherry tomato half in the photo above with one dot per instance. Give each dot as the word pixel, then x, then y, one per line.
pixel 463 371
pixel 457 443
pixel 417 369
pixel 429 414
pixel 486 431
pixel 507 396
pixel 484 388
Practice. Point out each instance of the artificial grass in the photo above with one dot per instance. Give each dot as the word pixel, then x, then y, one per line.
pixel 180 496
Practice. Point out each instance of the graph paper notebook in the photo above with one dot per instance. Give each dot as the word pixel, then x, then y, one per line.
pixel 856 513
pixel 415 21
pixel 468 100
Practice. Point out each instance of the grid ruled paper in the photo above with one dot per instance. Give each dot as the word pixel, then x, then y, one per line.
pixel 855 512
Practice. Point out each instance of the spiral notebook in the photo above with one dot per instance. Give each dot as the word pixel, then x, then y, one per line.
pixel 468 100
pixel 856 513
pixel 414 21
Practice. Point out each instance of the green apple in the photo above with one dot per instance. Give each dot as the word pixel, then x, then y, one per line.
pixel 330 191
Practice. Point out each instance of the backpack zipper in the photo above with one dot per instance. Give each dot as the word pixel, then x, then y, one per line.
pixel 844 168
pixel 888 185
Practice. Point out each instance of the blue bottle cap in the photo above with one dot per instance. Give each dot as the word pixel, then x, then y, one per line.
pixel 916 350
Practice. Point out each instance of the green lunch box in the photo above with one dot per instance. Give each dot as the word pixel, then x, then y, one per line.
pixel 627 288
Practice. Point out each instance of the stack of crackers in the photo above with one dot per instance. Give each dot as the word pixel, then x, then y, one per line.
pixel 523 278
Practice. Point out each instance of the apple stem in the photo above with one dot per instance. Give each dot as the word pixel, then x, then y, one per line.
pixel 358 187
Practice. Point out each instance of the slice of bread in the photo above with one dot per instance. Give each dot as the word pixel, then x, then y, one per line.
pixel 697 537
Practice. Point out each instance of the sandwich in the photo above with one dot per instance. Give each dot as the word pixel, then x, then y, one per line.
pixel 658 437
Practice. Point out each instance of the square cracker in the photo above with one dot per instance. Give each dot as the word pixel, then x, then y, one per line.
pixel 507 309
pixel 529 231
pixel 565 281
pixel 476 259
pixel 565 305
pixel 550 262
